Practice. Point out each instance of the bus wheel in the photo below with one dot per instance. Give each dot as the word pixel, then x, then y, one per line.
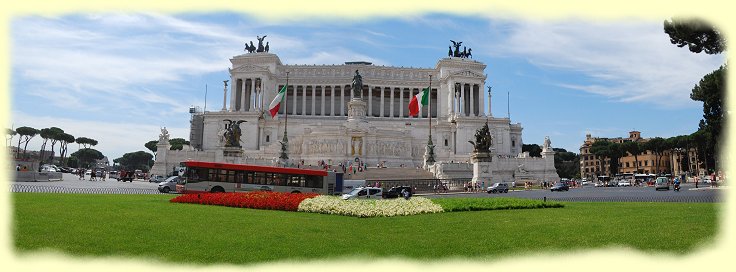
pixel 296 192
pixel 217 189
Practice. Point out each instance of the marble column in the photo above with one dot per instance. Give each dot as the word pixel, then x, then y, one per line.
pixel 295 97
pixel 472 100
pixel 391 105
pixel 382 103
pixel 304 101
pixel 322 104
pixel 369 113
pixel 342 100
pixel 401 103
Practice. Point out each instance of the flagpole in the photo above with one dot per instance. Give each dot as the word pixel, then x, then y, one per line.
pixel 429 154
pixel 429 107
pixel 285 141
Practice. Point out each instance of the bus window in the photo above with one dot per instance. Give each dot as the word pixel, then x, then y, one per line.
pixel 196 174
pixel 239 176
pixel 313 182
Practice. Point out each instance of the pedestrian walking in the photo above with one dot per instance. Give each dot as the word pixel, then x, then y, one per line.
pixel 92 176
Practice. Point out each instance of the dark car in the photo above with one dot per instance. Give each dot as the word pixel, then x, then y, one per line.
pixel 498 187
pixel 397 191
pixel 560 187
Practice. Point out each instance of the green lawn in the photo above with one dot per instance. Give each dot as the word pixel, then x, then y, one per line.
pixel 148 226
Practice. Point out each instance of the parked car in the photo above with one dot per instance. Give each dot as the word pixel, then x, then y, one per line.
pixel 498 187
pixel 624 183
pixel 364 192
pixel 157 178
pixel 113 175
pixel 560 186
pixel 168 185
pixel 398 191
pixel 49 168
pixel 662 183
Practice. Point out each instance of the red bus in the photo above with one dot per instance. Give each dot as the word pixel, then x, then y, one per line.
pixel 225 177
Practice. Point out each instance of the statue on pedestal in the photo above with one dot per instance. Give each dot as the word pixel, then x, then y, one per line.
pixel 164 136
pixel 232 133
pixel 547 146
pixel 483 139
pixel 357 85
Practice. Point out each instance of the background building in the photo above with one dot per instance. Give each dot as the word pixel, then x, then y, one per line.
pixel 590 164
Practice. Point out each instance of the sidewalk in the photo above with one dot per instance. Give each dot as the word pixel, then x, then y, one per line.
pixel 708 187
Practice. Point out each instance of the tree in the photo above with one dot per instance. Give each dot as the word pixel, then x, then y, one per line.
pixel 711 91
pixel 9 134
pixel 177 143
pixel 635 149
pixel 86 142
pixel 152 145
pixel 45 134
pixel 698 35
pixel 601 150
pixel 49 134
pixel 135 160
pixel 658 146
pixel 25 135
pixel 87 157
pixel 616 151
pixel 567 163
pixel 534 149
pixel 64 140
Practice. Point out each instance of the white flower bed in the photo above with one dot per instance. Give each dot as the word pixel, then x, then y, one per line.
pixel 369 207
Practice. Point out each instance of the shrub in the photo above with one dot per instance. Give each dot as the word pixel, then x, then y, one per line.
pixel 369 207
pixel 255 200
pixel 495 203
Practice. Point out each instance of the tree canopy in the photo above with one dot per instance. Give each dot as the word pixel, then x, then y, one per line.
pixel 87 156
pixel 697 35
pixel 177 143
pixel 25 135
pixel 534 149
pixel 151 145
pixel 86 142
pixel 135 160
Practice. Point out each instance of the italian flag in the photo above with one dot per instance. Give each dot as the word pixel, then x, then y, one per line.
pixel 276 103
pixel 419 100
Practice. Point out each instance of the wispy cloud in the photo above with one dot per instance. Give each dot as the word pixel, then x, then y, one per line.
pixel 627 61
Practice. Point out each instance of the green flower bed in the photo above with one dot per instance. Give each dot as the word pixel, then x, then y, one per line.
pixel 494 203
pixel 369 207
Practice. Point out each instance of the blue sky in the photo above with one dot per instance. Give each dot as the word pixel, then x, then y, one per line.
pixel 119 77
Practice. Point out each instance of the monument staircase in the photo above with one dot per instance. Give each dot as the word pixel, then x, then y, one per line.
pixel 422 180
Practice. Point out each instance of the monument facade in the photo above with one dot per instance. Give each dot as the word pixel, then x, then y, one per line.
pixel 330 118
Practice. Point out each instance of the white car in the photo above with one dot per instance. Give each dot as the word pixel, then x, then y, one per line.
pixel 168 185
pixel 364 192
pixel 624 183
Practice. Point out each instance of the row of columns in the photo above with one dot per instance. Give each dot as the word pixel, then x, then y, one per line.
pixel 318 100
pixel 467 99
pixel 246 94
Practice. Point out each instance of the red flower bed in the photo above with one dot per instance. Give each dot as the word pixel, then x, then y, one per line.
pixel 255 200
